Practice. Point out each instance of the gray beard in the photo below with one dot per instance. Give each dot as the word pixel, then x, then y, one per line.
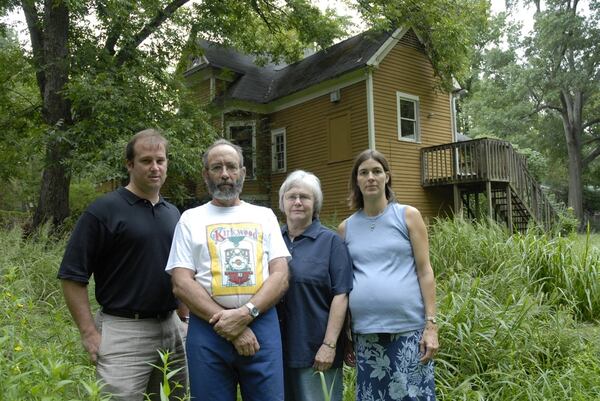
pixel 227 195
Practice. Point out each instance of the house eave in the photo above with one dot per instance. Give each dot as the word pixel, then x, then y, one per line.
pixel 387 46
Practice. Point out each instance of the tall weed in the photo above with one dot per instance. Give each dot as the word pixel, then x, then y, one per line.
pixel 512 308
pixel 40 352
pixel 517 318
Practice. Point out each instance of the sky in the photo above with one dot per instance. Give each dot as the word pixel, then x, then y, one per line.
pixel 524 15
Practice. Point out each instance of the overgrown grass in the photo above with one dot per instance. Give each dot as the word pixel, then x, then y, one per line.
pixel 518 314
pixel 518 318
pixel 41 356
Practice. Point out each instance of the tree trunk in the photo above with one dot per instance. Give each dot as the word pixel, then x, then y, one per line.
pixel 54 192
pixel 53 203
pixel 575 197
pixel 571 117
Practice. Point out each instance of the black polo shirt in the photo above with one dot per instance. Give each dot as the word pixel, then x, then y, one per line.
pixel 124 241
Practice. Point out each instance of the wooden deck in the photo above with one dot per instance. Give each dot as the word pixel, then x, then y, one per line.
pixel 492 168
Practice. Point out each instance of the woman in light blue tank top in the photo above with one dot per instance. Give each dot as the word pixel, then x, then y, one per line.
pixel 392 304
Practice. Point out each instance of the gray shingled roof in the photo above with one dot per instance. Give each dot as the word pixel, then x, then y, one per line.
pixel 267 83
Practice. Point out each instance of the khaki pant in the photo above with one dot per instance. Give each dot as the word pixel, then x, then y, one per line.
pixel 127 349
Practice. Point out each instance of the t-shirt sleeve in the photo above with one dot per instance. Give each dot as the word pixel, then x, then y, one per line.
pixel 277 247
pixel 83 249
pixel 181 253
pixel 340 267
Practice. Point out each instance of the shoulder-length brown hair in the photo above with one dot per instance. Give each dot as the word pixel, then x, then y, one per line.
pixel 355 199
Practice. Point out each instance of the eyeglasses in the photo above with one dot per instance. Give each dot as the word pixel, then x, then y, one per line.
pixel 218 168
pixel 302 197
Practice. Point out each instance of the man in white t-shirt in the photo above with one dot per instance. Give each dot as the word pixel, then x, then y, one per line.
pixel 228 263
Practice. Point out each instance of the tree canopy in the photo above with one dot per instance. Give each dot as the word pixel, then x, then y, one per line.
pixel 105 69
pixel 449 29
pixel 543 89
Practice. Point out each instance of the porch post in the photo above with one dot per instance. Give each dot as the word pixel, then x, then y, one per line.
pixel 457 202
pixel 509 216
pixel 488 193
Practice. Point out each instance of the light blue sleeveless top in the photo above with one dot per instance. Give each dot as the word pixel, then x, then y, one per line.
pixel 386 296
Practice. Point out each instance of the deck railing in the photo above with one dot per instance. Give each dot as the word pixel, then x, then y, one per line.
pixel 482 160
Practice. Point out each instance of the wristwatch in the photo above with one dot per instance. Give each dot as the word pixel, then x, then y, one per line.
pixel 254 312
pixel 431 319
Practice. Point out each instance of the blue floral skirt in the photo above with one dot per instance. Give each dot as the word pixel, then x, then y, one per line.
pixel 388 368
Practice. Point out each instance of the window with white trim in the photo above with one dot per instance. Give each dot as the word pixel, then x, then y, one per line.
pixel 278 151
pixel 408 117
pixel 243 134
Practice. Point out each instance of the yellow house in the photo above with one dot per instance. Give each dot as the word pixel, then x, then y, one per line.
pixel 374 90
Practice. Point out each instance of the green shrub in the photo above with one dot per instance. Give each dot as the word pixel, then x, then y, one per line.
pixel 10 219
pixel 41 356
pixel 517 318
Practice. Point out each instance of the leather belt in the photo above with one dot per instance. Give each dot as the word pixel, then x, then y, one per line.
pixel 138 315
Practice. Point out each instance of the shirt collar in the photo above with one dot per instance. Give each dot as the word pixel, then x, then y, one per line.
pixel 311 231
pixel 132 198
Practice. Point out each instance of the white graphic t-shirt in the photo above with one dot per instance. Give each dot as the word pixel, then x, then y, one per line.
pixel 229 248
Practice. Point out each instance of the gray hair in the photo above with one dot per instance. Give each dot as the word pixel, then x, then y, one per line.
pixel 220 142
pixel 301 177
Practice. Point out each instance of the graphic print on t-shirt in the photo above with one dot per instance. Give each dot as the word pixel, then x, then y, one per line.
pixel 236 257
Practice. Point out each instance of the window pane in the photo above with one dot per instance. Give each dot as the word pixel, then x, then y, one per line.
pixel 279 154
pixel 407 129
pixel 407 109
pixel 241 135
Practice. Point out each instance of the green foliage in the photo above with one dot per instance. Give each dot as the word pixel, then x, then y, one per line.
pixel 567 222
pixel 167 386
pixel 10 219
pixel 527 87
pixel 450 29
pixel 518 318
pixel 273 31
pixel 40 352
pixel 120 58
pixel 512 309
pixel 82 193
pixel 20 124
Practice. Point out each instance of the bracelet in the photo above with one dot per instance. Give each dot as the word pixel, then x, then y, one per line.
pixel 330 345
pixel 185 319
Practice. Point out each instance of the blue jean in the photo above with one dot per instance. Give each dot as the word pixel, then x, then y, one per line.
pixel 304 384
pixel 215 367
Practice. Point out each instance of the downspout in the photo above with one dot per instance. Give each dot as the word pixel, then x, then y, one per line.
pixel 213 88
pixel 370 110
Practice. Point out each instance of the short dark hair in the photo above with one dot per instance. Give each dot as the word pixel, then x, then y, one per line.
pixel 355 198
pixel 220 142
pixel 153 133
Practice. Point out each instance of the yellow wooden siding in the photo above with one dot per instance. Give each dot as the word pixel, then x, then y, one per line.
pixel 407 70
pixel 306 128
pixel 201 91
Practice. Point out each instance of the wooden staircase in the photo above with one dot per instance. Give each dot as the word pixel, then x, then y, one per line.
pixel 488 178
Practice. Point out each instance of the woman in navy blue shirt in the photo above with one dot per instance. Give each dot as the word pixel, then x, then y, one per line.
pixel 313 311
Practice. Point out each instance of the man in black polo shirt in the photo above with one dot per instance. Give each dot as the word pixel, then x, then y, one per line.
pixel 123 239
